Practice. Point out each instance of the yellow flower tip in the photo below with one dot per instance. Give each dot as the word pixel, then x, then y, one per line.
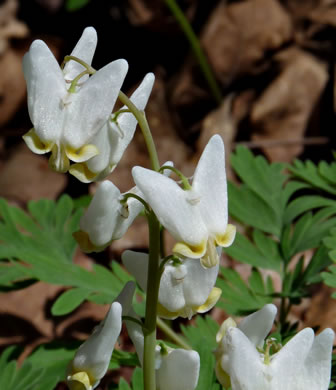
pixel 228 323
pixel 211 257
pixel 227 238
pixel 222 376
pixel 82 173
pixel 83 240
pixel 58 160
pixel 165 313
pixel 82 154
pixel 211 301
pixel 192 251
pixel 79 381
pixel 35 144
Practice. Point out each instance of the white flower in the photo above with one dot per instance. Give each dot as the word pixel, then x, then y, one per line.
pixel 93 357
pixel 185 289
pixel 66 120
pixel 114 137
pixel 106 219
pixel 176 369
pixel 196 217
pixel 304 363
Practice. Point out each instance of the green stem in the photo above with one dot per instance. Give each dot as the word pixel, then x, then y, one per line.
pixel 137 197
pixel 152 295
pixel 184 179
pixel 196 47
pixel 141 118
pixel 178 340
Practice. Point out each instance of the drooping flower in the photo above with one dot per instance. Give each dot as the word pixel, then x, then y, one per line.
pixel 304 363
pixel 93 357
pixel 186 288
pixel 196 217
pixel 107 218
pixel 114 137
pixel 176 369
pixel 65 116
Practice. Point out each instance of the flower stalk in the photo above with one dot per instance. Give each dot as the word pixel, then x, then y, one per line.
pixel 151 302
pixel 142 120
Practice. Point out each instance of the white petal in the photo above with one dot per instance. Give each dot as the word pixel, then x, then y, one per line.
pixel 257 325
pixel 242 362
pixel 121 137
pixel 46 88
pixel 287 364
pixel 210 183
pixel 172 205
pixel 102 140
pixel 171 294
pixel 103 214
pixel 317 366
pixel 83 50
pixel 94 355
pixel 199 282
pixel 179 370
pixel 105 219
pixel 136 264
pixel 90 107
pixel 135 333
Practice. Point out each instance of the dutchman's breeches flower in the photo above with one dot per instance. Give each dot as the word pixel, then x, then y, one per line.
pixel 68 108
pixel 93 357
pixel 197 217
pixel 304 363
pixel 107 218
pixel 114 137
pixel 186 288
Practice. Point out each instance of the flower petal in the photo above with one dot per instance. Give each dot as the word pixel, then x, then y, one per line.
pixel 89 108
pixel 106 219
pixel 83 50
pixel 257 325
pixel 171 295
pixel 210 183
pixel 287 364
pixel 242 362
pixel 317 366
pixel 43 75
pixel 122 131
pixel 35 144
pixel 173 206
pixel 179 370
pixel 198 282
pixel 211 300
pixel 94 355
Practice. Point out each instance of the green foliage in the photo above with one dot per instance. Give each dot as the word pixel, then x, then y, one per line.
pixel 240 298
pixel 40 246
pixel 284 214
pixel 329 278
pixel 41 371
pixel 322 177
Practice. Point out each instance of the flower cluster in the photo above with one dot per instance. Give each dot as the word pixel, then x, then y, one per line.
pixel 71 108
